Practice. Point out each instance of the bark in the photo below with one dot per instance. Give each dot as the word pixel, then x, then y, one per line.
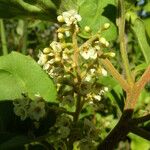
pixel 118 133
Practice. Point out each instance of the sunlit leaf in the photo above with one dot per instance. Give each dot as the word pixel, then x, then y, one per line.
pixel 95 14
pixel 138 143
pixel 21 74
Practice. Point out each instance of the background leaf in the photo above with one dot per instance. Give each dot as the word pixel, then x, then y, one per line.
pixel 95 14
pixel 14 143
pixel 39 9
pixel 21 74
pixel 139 30
pixel 138 143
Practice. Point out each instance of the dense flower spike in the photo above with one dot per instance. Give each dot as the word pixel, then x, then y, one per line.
pixel 59 61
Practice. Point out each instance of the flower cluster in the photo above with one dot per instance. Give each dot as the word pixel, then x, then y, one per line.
pixel 75 67
pixel 27 108
pixel 69 17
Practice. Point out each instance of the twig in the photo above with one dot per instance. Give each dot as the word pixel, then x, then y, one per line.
pixel 140 119
pixel 122 41
pixel 115 74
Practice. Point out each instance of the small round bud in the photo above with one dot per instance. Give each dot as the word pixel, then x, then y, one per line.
pixel 106 25
pixel 102 40
pixel 60 36
pixel 46 50
pixel 57 59
pixel 67 33
pixel 87 29
pixel 112 54
pixel 104 72
pixel 106 89
pixel 106 43
pixel 60 18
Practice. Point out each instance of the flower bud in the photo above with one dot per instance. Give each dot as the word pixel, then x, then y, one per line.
pixel 112 54
pixel 46 50
pixel 87 29
pixel 106 26
pixel 60 18
pixel 60 36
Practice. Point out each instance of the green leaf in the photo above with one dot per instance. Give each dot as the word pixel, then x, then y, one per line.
pixel 21 74
pixel 95 13
pixel 139 30
pixel 138 143
pixel 147 23
pixel 140 68
pixel 39 9
pixel 68 5
pixel 147 7
pixel 130 4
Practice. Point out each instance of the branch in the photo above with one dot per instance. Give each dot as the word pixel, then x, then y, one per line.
pixel 76 51
pixel 133 94
pixel 144 79
pixel 115 74
pixel 122 41
pixel 89 41
pixel 140 119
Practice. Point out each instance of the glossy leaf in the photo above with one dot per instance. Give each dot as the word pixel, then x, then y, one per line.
pixel 39 9
pixel 21 74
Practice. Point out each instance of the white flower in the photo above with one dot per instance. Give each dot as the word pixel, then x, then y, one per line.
pixel 46 66
pixel 56 46
pixel 104 72
pixel 37 110
pixel 42 58
pixel 88 78
pixel 92 70
pixel 97 97
pixel 71 17
pixel 90 53
pixel 65 56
